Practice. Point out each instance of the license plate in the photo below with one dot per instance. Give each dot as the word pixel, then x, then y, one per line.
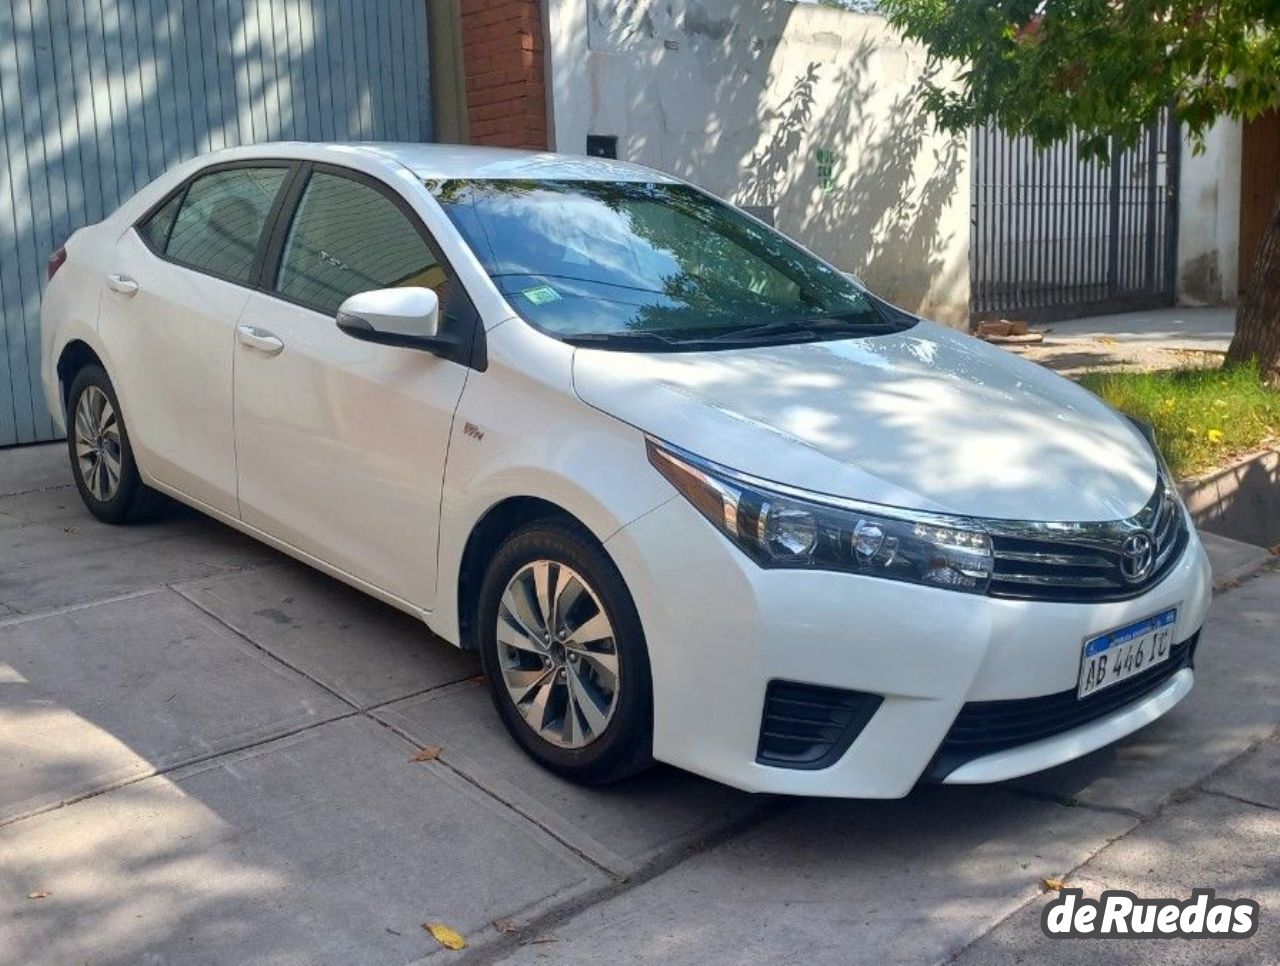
pixel 1126 651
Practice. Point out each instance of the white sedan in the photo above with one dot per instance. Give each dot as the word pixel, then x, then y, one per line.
pixel 693 494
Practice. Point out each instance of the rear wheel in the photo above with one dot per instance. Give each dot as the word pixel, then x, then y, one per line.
pixel 564 654
pixel 102 462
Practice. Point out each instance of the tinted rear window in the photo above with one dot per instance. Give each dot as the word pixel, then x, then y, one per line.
pixel 218 227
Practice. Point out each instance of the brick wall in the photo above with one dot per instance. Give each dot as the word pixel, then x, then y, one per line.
pixel 502 60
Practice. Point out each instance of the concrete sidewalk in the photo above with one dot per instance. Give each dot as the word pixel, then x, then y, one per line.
pixel 205 756
pixel 205 753
pixel 1156 339
pixel 1183 327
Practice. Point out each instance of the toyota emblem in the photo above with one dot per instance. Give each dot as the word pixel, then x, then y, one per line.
pixel 1137 556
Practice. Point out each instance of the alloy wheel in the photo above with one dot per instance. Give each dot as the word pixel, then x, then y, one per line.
pixel 98 445
pixel 557 654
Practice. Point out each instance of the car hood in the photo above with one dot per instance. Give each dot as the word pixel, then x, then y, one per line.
pixel 928 418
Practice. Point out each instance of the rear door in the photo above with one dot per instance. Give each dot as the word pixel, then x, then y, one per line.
pixel 177 282
pixel 342 443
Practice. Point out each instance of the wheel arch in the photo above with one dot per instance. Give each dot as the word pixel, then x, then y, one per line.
pixel 75 355
pixel 487 534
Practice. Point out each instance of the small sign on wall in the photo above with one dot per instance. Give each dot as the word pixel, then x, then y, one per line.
pixel 826 169
pixel 602 146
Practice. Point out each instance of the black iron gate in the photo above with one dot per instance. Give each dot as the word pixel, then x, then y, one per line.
pixel 1055 236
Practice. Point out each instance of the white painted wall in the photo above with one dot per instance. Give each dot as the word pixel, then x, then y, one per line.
pixel 1209 218
pixel 739 96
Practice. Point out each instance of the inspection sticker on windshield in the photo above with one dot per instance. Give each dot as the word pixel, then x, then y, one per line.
pixel 1126 651
pixel 541 294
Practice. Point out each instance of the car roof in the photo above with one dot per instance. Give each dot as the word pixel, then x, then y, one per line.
pixel 430 162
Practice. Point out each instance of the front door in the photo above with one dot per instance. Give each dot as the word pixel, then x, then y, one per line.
pixel 176 285
pixel 342 443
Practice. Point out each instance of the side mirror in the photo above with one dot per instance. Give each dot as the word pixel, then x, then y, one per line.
pixel 407 317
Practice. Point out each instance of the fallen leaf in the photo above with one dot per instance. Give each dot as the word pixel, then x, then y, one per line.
pixel 1057 885
pixel 446 937
pixel 507 925
pixel 427 753
pixel 42 894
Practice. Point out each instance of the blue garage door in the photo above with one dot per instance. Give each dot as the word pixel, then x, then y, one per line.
pixel 98 97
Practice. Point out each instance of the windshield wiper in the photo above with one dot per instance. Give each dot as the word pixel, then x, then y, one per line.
pixel 802 329
pixel 630 338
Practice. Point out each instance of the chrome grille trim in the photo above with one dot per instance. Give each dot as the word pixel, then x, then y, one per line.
pixel 1080 562
pixel 1051 580
pixel 1061 559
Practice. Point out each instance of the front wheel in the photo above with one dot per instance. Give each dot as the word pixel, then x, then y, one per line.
pixel 564 655
pixel 102 462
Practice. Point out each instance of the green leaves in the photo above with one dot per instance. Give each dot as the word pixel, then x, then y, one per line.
pixel 1104 68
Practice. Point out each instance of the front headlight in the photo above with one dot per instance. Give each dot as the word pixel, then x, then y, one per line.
pixel 776 527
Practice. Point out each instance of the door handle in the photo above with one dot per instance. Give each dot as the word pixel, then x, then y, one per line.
pixel 122 284
pixel 254 338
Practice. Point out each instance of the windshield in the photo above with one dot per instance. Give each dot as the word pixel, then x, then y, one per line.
pixel 651 266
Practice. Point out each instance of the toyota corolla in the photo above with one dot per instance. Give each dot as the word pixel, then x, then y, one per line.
pixel 693 494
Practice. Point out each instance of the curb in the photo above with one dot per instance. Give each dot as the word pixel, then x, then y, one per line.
pixel 1241 501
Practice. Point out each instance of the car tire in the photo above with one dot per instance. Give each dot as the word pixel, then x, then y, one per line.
pixel 102 462
pixel 580 719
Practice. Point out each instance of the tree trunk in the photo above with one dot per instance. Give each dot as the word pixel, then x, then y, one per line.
pixel 1258 320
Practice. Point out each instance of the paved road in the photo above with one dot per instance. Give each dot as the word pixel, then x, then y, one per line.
pixel 205 756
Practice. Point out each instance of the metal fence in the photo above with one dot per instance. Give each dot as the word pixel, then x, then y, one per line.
pixel 1055 236
pixel 98 97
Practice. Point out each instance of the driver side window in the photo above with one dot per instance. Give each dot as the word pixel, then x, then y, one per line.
pixel 347 237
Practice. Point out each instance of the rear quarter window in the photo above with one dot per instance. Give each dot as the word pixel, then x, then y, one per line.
pixel 216 226
pixel 155 230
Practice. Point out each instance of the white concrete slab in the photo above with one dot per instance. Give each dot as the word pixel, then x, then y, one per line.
pixel 1235 702
pixel 27 468
pixel 909 881
pixel 54 524
pixel 1233 560
pixel 1205 842
pixel 1182 327
pixel 364 650
pixel 623 826
pixel 68 557
pixel 107 693
pixel 1253 777
pixel 326 847
pixel 43 506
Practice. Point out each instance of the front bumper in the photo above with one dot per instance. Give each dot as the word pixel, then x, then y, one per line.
pixel 719 629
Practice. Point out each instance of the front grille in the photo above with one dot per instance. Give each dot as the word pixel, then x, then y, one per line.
pixel 985 727
pixel 808 727
pixel 1082 562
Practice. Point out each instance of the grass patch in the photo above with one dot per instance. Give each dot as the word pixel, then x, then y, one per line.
pixel 1202 417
